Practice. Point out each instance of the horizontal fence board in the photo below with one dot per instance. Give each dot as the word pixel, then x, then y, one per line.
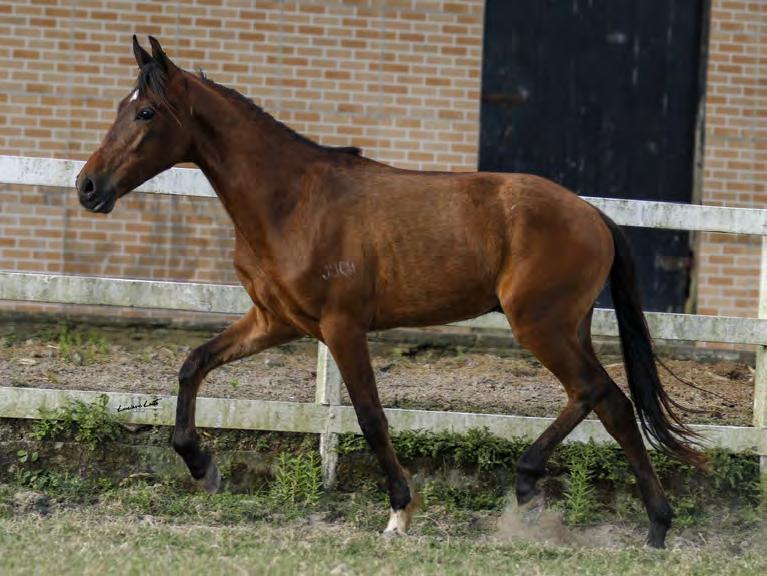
pixel 62 173
pixel 663 325
pixel 316 418
pixel 161 409
pixel 65 289
pixel 693 217
pixel 191 182
pixel 234 300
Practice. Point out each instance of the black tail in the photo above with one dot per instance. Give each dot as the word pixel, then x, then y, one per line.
pixel 662 426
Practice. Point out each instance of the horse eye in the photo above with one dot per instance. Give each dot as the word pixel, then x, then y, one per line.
pixel 145 114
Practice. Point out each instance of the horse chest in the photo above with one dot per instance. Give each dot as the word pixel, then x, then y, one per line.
pixel 283 298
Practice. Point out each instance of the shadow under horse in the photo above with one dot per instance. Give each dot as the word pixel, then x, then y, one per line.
pixel 333 245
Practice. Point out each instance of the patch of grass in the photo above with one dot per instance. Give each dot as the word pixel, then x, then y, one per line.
pixel 81 347
pixel 63 487
pixel 174 502
pixel 92 542
pixel 441 493
pixel 732 472
pixel 688 510
pixel 297 479
pixel 91 424
pixel 8 339
pixel 478 447
pixel 590 474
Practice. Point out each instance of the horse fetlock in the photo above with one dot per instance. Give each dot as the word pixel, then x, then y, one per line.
pixel 400 494
pixel 198 462
pixel 526 486
pixel 656 537
pixel 660 514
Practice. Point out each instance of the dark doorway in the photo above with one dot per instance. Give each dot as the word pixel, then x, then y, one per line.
pixel 602 97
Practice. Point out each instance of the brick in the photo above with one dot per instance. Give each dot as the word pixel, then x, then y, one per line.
pixel 341 71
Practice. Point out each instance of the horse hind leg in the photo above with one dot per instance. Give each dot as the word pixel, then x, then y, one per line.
pixel 560 348
pixel 569 354
pixel 617 415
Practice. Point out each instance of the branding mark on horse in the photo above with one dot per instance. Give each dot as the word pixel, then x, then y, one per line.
pixel 342 269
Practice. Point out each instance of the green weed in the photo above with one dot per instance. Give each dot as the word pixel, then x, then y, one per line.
pixel 66 487
pixel 89 423
pixel 297 479
pixel 590 473
pixel 79 348
pixel 441 493
pixel 478 447
pixel 579 501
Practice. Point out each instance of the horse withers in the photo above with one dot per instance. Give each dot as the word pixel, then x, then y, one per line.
pixel 333 245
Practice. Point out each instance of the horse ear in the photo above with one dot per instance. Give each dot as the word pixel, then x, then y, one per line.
pixel 142 56
pixel 160 56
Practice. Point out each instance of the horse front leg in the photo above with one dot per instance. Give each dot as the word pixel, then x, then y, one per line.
pixel 253 333
pixel 348 345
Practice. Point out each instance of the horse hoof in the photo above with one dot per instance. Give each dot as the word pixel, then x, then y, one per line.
pixel 656 537
pixel 211 482
pixel 531 510
pixel 399 520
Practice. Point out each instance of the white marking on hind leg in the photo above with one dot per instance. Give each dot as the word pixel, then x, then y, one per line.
pixel 399 520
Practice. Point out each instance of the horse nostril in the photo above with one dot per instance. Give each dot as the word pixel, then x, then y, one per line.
pixel 87 186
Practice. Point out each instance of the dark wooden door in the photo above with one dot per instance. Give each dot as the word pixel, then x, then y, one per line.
pixel 602 97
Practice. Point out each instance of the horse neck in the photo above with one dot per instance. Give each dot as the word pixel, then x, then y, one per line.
pixel 251 160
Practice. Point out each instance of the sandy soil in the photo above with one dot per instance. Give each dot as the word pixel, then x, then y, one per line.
pixel 147 361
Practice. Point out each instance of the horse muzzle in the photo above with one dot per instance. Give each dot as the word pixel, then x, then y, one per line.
pixel 94 194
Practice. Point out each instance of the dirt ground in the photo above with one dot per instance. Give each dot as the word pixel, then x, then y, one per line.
pixel 147 360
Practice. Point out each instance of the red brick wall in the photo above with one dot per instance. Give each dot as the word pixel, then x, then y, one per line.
pixel 735 153
pixel 399 78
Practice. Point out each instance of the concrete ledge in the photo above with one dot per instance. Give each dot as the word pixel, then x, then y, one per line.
pixel 317 418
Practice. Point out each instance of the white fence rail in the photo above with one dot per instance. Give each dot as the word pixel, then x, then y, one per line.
pixel 327 417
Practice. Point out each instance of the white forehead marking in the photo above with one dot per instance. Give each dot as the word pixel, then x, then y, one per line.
pixel 133 96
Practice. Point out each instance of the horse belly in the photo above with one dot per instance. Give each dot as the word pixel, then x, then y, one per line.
pixel 437 286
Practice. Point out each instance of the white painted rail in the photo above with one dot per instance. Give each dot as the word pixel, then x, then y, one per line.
pixel 191 182
pixel 191 296
pixel 332 418
pixel 327 417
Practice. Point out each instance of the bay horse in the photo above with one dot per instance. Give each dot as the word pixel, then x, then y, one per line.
pixel 333 245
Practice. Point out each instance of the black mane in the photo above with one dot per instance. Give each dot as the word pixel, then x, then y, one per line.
pixel 151 84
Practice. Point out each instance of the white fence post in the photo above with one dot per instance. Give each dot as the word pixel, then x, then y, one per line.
pixel 328 394
pixel 760 376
